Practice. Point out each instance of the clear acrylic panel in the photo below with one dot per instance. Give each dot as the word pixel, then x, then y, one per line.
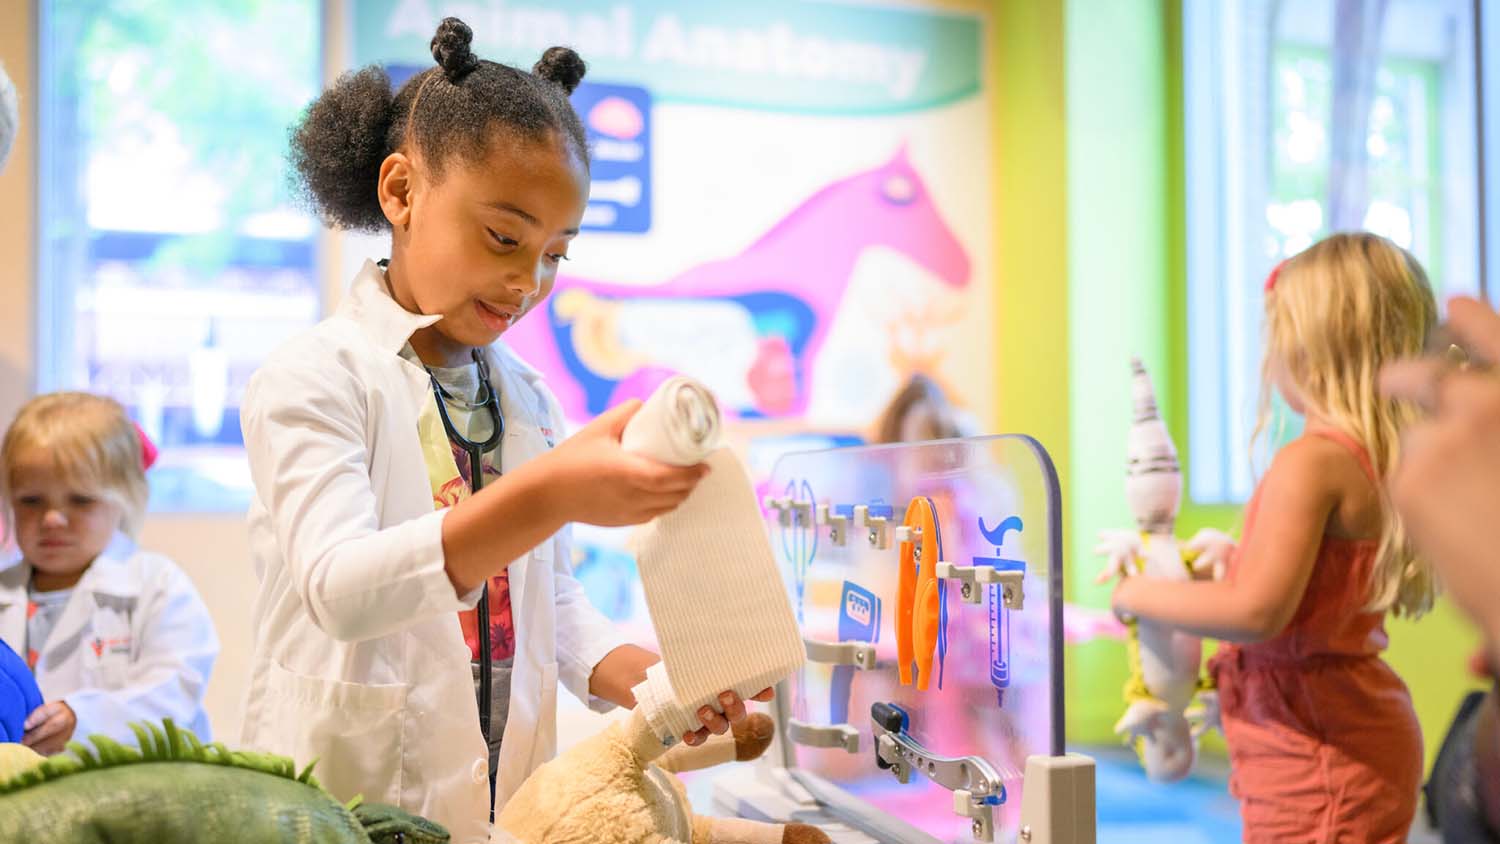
pixel 996 684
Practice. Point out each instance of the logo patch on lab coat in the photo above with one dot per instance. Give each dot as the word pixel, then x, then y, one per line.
pixel 110 625
pixel 112 645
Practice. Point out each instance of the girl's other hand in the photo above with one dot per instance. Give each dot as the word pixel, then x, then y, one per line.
pixel 718 724
pixel 592 479
pixel 49 727
pixel 1121 548
pixel 1211 550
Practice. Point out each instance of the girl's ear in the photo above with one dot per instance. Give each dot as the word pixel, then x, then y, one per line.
pixel 395 188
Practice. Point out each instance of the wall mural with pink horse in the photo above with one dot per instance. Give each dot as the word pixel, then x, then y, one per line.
pixel 750 325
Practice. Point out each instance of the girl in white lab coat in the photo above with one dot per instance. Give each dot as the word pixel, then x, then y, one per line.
pixel 366 538
pixel 114 634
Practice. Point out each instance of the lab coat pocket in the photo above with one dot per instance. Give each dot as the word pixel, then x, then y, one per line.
pixel 353 730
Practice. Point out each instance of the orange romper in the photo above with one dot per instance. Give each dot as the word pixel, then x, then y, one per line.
pixel 1324 745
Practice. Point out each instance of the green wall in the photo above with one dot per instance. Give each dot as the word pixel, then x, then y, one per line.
pixel 1117 293
pixel 1031 236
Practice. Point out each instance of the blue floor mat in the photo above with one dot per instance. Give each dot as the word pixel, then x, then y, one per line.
pixel 1132 809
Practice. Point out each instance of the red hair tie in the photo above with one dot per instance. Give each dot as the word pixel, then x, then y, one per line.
pixel 1275 274
pixel 148 448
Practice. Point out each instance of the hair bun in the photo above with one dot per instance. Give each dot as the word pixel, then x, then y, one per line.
pixel 561 66
pixel 451 50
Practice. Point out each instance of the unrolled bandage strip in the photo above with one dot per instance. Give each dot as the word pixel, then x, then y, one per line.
pixel 721 612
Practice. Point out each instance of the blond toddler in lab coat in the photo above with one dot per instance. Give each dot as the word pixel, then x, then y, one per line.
pixel 115 634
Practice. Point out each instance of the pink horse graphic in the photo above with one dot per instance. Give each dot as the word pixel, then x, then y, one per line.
pixel 750 326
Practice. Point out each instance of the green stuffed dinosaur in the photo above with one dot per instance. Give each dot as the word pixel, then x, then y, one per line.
pixel 176 790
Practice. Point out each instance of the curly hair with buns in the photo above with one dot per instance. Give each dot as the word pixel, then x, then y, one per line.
pixel 454 109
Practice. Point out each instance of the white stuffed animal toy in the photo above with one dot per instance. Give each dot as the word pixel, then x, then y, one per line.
pixel 617 788
pixel 1164 662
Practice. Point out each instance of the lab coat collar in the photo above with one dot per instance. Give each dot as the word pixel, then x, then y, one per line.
pixel 369 305
pixel 390 326
pixel 14 575
pixel 108 574
pixel 13 608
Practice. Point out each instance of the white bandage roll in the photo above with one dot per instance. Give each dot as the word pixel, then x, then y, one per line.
pixel 717 601
pixel 678 424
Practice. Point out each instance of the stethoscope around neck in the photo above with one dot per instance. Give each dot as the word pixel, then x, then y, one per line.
pixel 475 451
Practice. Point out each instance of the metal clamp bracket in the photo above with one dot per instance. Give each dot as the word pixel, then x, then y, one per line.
pixel 829 736
pixel 789 511
pixel 838 525
pixel 875 519
pixel 973 579
pixel 843 520
pixel 977 787
pixel 861 655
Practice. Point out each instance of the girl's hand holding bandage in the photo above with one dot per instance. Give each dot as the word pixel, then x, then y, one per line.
pixel 595 481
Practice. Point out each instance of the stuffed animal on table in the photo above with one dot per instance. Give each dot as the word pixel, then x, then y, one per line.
pixel 1160 720
pixel 172 789
pixel 617 788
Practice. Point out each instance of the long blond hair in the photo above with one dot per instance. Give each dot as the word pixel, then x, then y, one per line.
pixel 1335 314
pixel 89 441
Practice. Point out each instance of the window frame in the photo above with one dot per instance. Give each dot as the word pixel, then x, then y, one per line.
pixel 57 287
pixel 1218 434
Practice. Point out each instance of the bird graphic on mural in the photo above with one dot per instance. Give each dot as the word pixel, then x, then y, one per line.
pixel 750 326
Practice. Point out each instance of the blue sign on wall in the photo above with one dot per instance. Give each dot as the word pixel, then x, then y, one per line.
pixel 618 121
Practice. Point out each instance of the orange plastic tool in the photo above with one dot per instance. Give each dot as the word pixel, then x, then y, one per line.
pixel 917 604
pixel 927 608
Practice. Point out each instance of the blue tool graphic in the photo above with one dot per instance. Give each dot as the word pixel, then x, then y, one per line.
pixel 799 540
pixel 859 621
pixel 799 547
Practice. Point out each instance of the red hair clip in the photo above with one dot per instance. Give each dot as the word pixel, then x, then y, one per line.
pixel 148 448
pixel 1275 274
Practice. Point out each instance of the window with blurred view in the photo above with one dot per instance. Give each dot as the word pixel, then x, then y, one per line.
pixel 173 256
pixel 1305 118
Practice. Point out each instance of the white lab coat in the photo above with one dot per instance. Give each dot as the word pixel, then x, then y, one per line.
pixel 359 660
pixel 134 643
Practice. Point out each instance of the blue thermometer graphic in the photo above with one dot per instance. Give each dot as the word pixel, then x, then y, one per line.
pixel 999 615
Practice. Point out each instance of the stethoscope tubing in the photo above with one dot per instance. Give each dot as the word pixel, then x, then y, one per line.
pixel 475 452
